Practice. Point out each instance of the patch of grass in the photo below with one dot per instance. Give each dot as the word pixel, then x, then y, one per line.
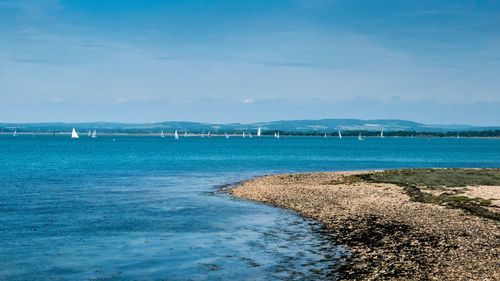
pixel 463 199
pixel 433 178
pixel 414 179
pixel 485 202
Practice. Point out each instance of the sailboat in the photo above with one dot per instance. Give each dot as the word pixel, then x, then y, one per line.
pixel 340 135
pixel 176 135
pixel 74 134
pixel 15 133
pixel 243 134
pixel 208 134
pixel 359 137
pixel 185 134
pixel 94 134
pixel 162 134
pixel 250 135
pixel 89 134
pixel 458 136
pixel 259 132
pixel 324 136
pixel 225 134
pixel 381 134
pixel 277 135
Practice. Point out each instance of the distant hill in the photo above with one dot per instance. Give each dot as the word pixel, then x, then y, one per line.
pixel 298 126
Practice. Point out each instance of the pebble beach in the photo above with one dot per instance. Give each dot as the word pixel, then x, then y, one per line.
pixel 390 235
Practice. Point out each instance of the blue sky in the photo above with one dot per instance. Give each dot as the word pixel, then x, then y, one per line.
pixel 244 61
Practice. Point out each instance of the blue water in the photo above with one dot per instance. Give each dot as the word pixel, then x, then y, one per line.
pixel 146 208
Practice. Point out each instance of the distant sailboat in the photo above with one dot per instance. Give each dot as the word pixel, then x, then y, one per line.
pixel 74 134
pixel 185 134
pixel 208 134
pixel 15 133
pixel 89 134
pixel 162 134
pixel 259 132
pixel 94 134
pixel 340 135
pixel 277 135
pixel 324 136
pixel 359 137
pixel 225 134
pixel 243 134
pixel 381 134
pixel 458 136
pixel 176 135
pixel 250 135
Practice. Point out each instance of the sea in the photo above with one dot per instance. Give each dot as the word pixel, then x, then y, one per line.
pixel 149 208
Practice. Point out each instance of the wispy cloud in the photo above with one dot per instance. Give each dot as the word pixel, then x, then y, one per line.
pixel 121 101
pixel 31 9
pixel 35 61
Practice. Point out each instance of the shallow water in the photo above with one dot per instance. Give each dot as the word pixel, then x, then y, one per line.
pixel 146 207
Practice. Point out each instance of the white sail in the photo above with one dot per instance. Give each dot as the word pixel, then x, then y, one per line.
pixel 89 134
pixel 176 135
pixel 162 134
pixel 185 134
pixel 324 136
pixel 225 134
pixel 381 134
pixel 340 135
pixel 359 137
pixel 94 134
pixel 208 134
pixel 259 132
pixel 250 135
pixel 15 133
pixel 74 134
pixel 458 136
pixel 243 134
pixel 278 135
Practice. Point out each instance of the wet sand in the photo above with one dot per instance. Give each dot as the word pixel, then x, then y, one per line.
pixel 390 235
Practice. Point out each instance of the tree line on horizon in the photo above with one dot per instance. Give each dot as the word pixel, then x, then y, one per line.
pixel 329 133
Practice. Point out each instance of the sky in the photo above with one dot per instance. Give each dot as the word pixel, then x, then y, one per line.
pixel 246 61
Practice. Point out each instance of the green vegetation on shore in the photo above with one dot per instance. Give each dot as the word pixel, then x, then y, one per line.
pixel 435 178
pixel 450 181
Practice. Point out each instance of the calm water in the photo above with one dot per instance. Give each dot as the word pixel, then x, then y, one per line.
pixel 145 207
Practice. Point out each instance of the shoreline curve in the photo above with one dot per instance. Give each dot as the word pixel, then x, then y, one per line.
pixel 389 233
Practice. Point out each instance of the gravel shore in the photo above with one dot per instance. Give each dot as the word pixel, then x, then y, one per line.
pixel 390 235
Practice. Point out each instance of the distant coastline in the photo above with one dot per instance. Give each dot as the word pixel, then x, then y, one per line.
pixel 320 127
pixel 283 134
